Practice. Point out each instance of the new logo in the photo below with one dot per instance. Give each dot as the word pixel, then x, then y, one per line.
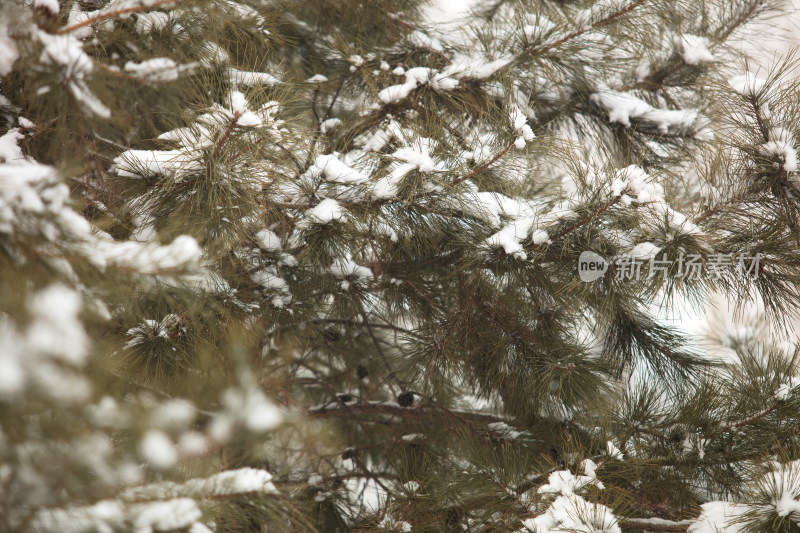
pixel 591 266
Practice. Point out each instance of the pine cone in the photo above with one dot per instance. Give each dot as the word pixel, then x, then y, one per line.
pixel 406 399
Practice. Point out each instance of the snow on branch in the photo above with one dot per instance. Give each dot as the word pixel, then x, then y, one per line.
pixel 117 9
pixel 223 484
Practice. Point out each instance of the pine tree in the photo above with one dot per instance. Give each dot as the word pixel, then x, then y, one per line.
pixel 269 265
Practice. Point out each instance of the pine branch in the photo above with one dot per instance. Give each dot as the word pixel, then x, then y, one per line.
pixel 746 15
pixel 268 344
pixel 496 482
pixel 734 200
pixel 656 80
pixel 335 97
pixel 578 33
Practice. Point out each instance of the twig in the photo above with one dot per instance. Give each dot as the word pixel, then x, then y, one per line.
pixel 585 220
pixel 484 166
pixel 334 98
pixel 224 137
pixel 253 145
pixel 754 418
pixel 372 336
pixel 114 13
pixel 588 218
pixel 371 324
pixel 393 409
pixel 300 517
pixel 496 482
pixel 123 75
pixel 762 127
pixel 654 524
pixel 314 107
pixel 297 164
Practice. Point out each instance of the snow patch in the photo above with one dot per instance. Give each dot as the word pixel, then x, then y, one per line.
pixel 159 69
pixel 8 50
pixel 147 23
pixel 49 5
pixel 747 84
pixel 614 452
pixel 784 150
pixel 251 79
pixel 66 52
pixel 622 107
pixel 521 129
pixel 157 450
pixel 328 210
pixel 695 49
pixel 719 517
pixel 573 513
pixel 268 240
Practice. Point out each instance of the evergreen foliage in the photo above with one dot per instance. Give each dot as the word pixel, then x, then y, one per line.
pixel 275 265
